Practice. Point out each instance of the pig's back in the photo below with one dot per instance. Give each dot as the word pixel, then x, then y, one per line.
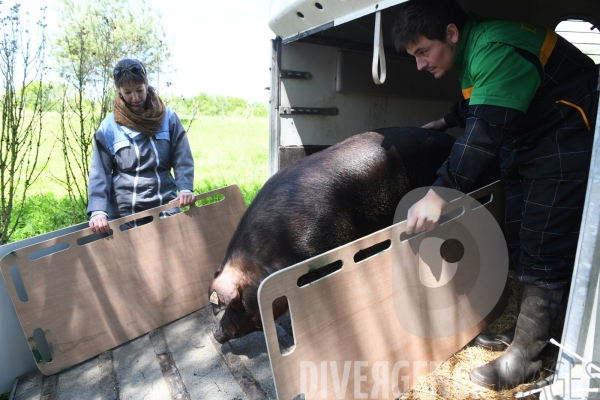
pixel 338 195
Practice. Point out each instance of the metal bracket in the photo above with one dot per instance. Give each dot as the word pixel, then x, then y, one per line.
pixel 295 74
pixel 307 111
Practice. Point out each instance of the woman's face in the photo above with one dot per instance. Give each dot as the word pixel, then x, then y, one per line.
pixel 134 94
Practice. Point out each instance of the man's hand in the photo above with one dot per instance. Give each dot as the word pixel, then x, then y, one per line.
pixel 185 199
pixel 99 223
pixel 424 215
pixel 439 125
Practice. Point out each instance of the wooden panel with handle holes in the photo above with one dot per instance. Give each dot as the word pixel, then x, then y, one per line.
pixel 348 339
pixel 84 294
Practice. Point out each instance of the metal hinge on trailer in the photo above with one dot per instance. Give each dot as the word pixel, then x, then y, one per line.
pixel 285 74
pixel 307 111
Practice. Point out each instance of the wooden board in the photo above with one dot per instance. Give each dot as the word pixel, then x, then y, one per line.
pixel 88 298
pixel 349 342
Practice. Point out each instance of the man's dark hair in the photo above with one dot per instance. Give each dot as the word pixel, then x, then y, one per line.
pixel 427 18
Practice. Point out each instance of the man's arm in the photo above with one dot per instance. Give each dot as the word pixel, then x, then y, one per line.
pixel 457 117
pixel 458 114
pixel 486 127
pixel 504 83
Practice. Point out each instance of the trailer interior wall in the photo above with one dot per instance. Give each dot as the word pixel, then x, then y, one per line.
pixel 334 85
pixel 338 59
pixel 339 63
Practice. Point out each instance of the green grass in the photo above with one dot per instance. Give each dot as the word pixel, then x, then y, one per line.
pixel 227 151
pixel 230 151
pixel 4 396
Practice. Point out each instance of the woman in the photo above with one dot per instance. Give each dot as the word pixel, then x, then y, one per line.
pixel 135 149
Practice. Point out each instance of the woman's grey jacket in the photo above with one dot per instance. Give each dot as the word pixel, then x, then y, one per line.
pixel 131 172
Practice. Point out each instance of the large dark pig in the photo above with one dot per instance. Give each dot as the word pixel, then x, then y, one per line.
pixel 321 202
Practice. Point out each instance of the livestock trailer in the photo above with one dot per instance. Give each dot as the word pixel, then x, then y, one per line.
pixel 326 60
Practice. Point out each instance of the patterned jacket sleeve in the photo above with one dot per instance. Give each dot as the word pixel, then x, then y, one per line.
pixel 100 179
pixel 181 155
pixel 486 128
pixel 458 114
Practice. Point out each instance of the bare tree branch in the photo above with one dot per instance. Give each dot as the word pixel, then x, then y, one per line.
pixel 22 72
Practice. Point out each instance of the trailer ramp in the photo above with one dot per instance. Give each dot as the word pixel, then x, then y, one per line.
pixel 180 360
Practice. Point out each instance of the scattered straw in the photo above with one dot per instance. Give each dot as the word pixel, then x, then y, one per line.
pixel 451 379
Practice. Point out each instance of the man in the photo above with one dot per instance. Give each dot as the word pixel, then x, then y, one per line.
pixel 530 104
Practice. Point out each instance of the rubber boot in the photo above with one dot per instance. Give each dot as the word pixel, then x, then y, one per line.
pixel 520 363
pixel 499 341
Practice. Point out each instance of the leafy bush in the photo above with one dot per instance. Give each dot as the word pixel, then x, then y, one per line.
pixel 45 213
pixel 216 105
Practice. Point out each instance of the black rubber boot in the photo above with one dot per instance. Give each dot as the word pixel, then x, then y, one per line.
pixel 496 341
pixel 520 363
pixel 499 341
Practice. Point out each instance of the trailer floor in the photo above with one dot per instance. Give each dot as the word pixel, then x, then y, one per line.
pixel 181 360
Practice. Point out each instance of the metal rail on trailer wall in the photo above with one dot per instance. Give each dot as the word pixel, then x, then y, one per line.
pixel 580 333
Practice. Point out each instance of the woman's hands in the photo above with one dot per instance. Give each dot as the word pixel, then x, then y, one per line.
pixel 185 199
pixel 99 223
pixel 424 215
pixel 439 125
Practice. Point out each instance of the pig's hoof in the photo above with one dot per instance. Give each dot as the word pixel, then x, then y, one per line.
pixel 219 335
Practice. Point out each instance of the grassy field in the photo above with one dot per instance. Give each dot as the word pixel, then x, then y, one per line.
pixel 226 151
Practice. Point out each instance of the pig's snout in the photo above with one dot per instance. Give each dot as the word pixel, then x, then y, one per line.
pixel 221 336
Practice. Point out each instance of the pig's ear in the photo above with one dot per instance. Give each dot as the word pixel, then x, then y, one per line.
pixel 217 303
pixel 221 302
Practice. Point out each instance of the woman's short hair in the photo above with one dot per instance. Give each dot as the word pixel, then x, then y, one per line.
pixel 129 70
pixel 428 18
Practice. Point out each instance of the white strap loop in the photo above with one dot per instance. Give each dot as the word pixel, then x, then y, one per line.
pixel 378 54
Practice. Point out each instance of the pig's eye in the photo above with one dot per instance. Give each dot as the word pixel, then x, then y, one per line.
pixel 236 304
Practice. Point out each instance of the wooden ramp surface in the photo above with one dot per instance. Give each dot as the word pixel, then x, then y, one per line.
pixel 84 294
pixel 348 336
pixel 179 361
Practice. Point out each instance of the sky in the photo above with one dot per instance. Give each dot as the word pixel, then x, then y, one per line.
pixel 218 47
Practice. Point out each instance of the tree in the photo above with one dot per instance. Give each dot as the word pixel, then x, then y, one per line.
pixel 261 110
pixel 44 93
pixel 22 71
pixel 113 29
pixel 93 36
